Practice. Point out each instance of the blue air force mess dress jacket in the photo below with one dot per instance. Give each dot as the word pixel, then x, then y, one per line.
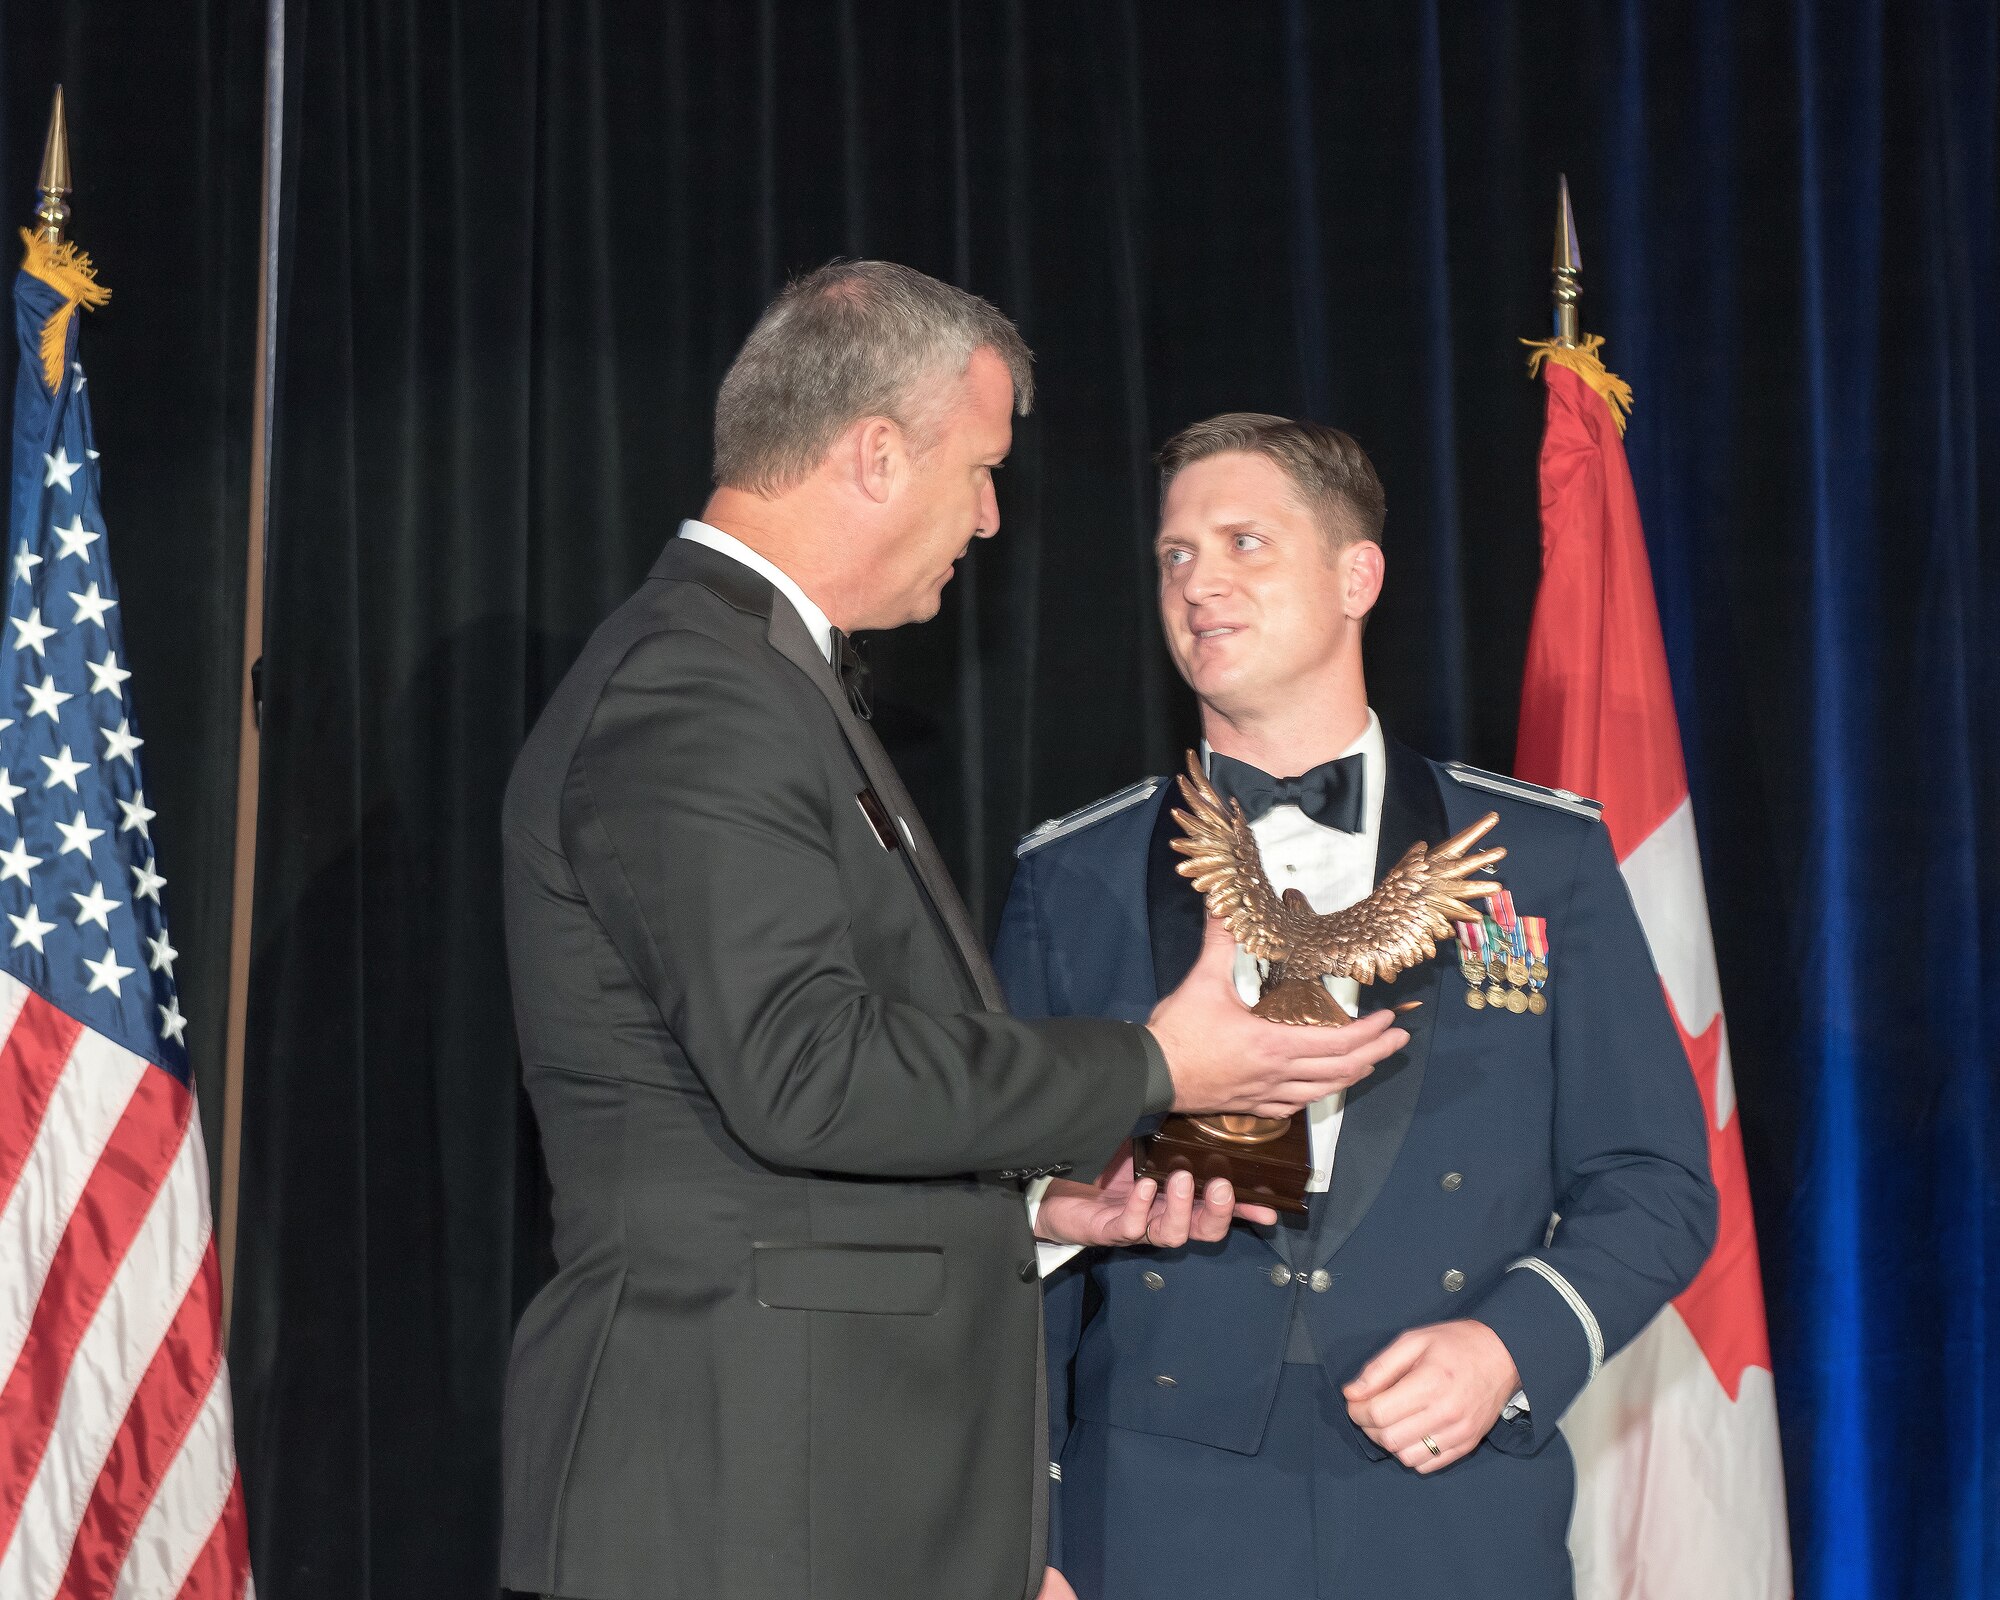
pixel 1546 1175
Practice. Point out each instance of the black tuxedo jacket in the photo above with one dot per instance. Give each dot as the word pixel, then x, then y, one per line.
pixel 792 1345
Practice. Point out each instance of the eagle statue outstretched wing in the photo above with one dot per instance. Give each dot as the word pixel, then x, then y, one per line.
pixel 1398 925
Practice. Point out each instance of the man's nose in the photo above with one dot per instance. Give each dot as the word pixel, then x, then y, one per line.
pixel 1202 579
pixel 989 514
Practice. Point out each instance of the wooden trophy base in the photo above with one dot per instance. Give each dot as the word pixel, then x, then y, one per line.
pixel 1272 1173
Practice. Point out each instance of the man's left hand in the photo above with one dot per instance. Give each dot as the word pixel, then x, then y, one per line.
pixel 1123 1210
pixel 1448 1382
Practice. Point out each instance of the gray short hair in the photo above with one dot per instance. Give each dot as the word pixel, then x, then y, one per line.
pixel 854 339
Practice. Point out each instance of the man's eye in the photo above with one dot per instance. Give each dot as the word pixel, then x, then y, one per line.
pixel 1173 558
pixel 1246 541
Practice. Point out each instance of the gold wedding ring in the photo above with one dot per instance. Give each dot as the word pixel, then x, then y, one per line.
pixel 1431 1445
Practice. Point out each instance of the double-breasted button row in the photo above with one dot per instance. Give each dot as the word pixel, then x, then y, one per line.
pixel 1319 1280
pixel 1453 1280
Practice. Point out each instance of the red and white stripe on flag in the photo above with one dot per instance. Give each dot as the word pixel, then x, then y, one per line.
pixel 1680 1485
pixel 118 1472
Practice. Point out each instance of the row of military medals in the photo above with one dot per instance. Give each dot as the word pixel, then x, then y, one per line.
pixel 1504 959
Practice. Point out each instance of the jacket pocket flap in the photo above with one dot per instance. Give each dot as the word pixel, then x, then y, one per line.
pixel 894 1279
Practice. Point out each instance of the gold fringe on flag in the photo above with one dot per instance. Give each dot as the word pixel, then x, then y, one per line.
pixel 67 270
pixel 1582 359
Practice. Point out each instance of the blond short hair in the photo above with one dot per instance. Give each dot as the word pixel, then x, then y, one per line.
pixel 1334 478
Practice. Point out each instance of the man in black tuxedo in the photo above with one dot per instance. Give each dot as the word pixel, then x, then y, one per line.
pixel 793 1344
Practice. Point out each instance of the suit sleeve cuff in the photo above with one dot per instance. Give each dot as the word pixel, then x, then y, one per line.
pixel 1047 1256
pixel 1159 1081
pixel 1557 1347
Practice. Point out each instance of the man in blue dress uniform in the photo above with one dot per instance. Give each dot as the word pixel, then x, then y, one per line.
pixel 1360 1402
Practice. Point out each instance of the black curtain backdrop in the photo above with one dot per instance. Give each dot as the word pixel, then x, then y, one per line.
pixel 165 107
pixel 523 242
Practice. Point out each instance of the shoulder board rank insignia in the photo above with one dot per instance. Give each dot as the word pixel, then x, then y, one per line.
pixel 1096 811
pixel 1515 789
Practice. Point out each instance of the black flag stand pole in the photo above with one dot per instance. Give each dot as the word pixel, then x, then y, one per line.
pixel 244 871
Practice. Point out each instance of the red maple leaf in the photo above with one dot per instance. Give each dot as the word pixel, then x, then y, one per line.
pixel 1724 1306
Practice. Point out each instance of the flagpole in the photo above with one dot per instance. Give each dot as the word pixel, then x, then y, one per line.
pixel 248 743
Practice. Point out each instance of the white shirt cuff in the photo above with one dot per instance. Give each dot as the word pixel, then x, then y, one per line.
pixel 1047 1256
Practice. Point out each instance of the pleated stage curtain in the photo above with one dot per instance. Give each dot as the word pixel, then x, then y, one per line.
pixel 523 242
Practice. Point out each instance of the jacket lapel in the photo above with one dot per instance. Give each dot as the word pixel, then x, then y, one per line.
pixel 789 637
pixel 1174 911
pixel 1380 1107
pixel 738 586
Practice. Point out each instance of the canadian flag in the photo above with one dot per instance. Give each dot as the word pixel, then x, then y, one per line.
pixel 1680 1485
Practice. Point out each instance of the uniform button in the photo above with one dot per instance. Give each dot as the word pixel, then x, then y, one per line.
pixel 1152 1280
pixel 1450 1181
pixel 1281 1276
pixel 1166 1382
pixel 1029 1271
pixel 1322 1280
pixel 1454 1280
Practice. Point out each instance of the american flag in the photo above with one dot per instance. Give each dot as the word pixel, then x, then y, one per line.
pixel 117 1459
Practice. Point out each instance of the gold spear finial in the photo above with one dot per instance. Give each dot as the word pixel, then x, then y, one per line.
pixel 54 181
pixel 1570 348
pixel 1568 270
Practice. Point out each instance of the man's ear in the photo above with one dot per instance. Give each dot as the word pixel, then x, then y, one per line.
pixel 879 456
pixel 1362 578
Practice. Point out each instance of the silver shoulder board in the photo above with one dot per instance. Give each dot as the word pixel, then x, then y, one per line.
pixel 1096 811
pixel 1555 799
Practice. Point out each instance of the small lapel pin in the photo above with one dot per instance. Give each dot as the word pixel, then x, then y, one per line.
pixel 878 819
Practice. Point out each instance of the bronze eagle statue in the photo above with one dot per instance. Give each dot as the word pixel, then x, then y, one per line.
pixel 1398 925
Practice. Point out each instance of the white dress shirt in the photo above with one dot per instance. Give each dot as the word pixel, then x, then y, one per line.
pixel 815 619
pixel 1331 869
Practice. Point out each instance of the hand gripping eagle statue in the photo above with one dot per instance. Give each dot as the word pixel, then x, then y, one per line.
pixel 1397 926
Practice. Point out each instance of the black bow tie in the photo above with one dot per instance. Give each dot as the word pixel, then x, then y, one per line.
pixel 852 667
pixel 1330 794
